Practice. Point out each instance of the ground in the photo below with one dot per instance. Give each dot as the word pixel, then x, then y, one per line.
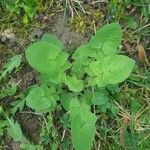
pixel 133 120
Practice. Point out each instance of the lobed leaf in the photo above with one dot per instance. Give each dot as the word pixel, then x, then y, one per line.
pixel 13 63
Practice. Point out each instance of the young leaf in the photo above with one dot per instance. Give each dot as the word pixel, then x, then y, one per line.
pixel 82 126
pixel 82 56
pixel 95 68
pixel 117 69
pixel 96 71
pixel 52 39
pixel 11 65
pixel 38 100
pixel 107 39
pixel 74 84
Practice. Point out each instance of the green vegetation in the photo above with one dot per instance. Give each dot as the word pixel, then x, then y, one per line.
pixel 95 66
pixel 91 97
pixel 26 7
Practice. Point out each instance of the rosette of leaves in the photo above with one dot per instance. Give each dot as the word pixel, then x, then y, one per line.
pixel 95 64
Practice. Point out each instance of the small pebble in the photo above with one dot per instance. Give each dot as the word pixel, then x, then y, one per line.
pixel 36 33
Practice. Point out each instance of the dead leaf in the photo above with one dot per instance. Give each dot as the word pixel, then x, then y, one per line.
pixel 142 55
pixel 122 135
pixel 128 48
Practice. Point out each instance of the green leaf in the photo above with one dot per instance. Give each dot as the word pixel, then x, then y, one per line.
pixel 66 99
pixel 135 106
pixel 107 39
pixel 38 100
pixel 110 70
pixel 82 56
pixel 12 6
pixel 74 84
pixel 29 11
pixel 48 60
pixel 45 78
pixel 17 105
pixel 114 109
pixel 41 55
pixel 78 68
pixel 87 97
pixel 25 146
pixel 74 108
pixel 52 39
pixel 96 71
pixel 62 58
pixel 8 90
pixel 96 68
pixel 13 63
pixel 83 52
pixel 117 69
pixel 14 130
pixel 100 97
pixel 82 126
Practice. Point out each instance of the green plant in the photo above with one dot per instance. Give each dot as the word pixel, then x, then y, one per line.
pixel 13 130
pixel 10 88
pixel 28 7
pixel 93 67
pixel 13 63
pixel 79 85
